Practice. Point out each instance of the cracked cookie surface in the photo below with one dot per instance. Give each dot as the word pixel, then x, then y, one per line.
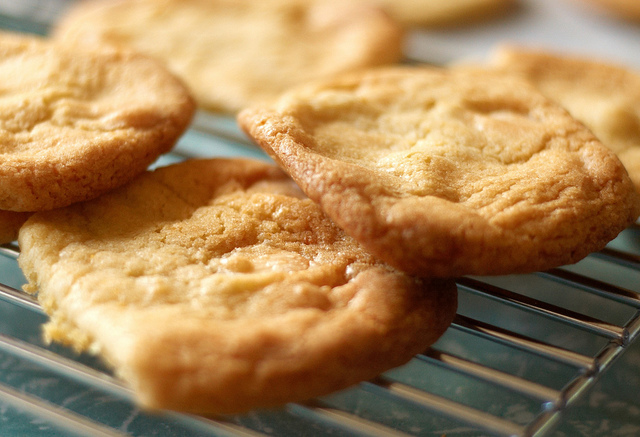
pixel 216 286
pixel 75 123
pixel 449 172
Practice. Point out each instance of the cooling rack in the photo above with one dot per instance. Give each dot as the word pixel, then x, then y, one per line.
pixel 513 363
pixel 528 355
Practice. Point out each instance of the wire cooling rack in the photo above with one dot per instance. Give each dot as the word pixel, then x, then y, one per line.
pixel 528 355
pixel 522 351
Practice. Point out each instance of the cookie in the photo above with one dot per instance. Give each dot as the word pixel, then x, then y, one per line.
pixel 437 13
pixel 75 123
pixel 10 222
pixel 215 286
pixel 604 96
pixel 449 172
pixel 233 53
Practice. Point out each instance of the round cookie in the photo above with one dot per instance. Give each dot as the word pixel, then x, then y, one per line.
pixel 449 172
pixel 215 286
pixel 233 53
pixel 76 122
pixel 438 13
pixel 604 96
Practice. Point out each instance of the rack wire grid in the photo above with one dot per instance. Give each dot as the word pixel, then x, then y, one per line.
pixel 526 355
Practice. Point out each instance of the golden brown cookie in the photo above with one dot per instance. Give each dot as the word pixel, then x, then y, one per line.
pixel 604 96
pixel 236 52
pixel 75 122
pixel 215 286
pixel 437 13
pixel 10 222
pixel 449 172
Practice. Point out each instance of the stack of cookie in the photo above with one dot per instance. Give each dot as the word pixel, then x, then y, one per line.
pixel 217 286
pixel 220 285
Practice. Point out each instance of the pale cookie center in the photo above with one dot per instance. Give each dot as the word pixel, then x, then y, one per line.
pixel 259 260
pixel 441 151
pixel 240 250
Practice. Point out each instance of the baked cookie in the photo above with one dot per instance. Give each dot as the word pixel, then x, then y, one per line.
pixel 449 172
pixel 77 122
pixel 603 96
pixel 236 52
pixel 215 286
pixel 10 222
pixel 437 13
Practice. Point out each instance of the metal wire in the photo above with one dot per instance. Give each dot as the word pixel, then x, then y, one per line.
pixel 72 423
pixel 552 402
